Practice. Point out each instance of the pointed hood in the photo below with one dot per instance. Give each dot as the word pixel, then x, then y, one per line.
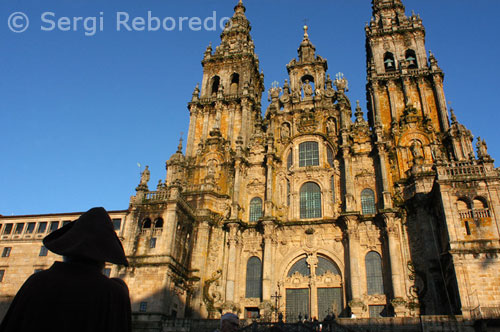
pixel 91 236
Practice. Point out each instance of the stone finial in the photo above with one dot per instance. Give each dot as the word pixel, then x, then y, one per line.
pixel 306 35
pixel 453 117
pixel 179 147
pixel 358 113
pixel 196 93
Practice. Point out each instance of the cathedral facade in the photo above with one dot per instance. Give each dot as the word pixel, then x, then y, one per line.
pixel 309 208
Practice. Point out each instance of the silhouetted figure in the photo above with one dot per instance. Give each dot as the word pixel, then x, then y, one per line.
pixel 229 322
pixel 74 295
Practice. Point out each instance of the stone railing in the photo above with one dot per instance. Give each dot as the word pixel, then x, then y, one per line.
pixel 155 196
pixel 462 169
pixel 474 214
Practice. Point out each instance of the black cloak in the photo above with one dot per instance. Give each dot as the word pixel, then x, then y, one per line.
pixel 70 297
pixel 75 296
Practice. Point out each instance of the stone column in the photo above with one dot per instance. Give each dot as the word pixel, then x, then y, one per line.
pixel 423 96
pixel 349 186
pixel 231 264
pixel 198 261
pixel 391 86
pixel 205 125
pixel 356 304
pixel 170 229
pixel 406 83
pixel 376 103
pixel 244 120
pixel 267 260
pixel 236 189
pixel 441 105
pixel 386 195
pixel 269 184
pixel 398 286
pixel 192 131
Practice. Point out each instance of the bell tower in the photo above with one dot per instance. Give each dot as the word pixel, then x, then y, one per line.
pixel 227 104
pixel 404 88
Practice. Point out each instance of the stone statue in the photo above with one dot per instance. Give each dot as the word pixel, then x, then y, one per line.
pixel 331 127
pixel 307 88
pixel 285 131
pixel 482 148
pixel 416 151
pixel 145 177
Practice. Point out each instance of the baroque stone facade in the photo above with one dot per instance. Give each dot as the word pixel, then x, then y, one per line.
pixel 304 211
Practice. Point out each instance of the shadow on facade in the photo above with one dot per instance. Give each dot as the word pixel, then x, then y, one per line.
pixel 431 265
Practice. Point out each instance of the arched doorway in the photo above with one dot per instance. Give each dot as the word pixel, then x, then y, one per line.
pixel 313 288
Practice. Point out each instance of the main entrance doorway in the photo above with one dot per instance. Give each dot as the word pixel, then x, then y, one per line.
pixel 313 289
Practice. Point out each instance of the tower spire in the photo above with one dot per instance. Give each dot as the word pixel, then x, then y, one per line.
pixel 388 12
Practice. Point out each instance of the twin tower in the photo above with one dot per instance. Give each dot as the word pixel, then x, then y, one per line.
pixel 313 209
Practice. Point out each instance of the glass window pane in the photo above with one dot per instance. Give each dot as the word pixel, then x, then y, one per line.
pixel 30 228
pixel 329 154
pixel 19 228
pixel 117 223
pixel 6 251
pixel 2 273
pixel 310 201
pixel 308 154
pixel 42 227
pixel 300 267
pixel 297 304
pixel 289 161
pixel 326 265
pixel 43 251
pixel 54 225
pixel 254 278
pixel 7 229
pixel 255 209
pixel 368 202
pixel 374 277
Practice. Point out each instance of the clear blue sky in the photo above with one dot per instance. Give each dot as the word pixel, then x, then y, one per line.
pixel 78 112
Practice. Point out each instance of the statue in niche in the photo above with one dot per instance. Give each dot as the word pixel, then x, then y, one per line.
pixel 331 127
pixel 417 151
pixel 212 164
pixel 145 177
pixel 307 88
pixel 285 131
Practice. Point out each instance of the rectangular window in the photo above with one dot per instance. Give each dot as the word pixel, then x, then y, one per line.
pixel 43 251
pixel 19 228
pixel 8 229
pixel 42 227
pixel 288 193
pixel 65 222
pixel 2 273
pixel 53 226
pixel 143 307
pixel 308 154
pixel 106 272
pixel 152 242
pixel 252 313
pixel 117 224
pixel 467 228
pixel 6 251
pixel 31 228
pixel 37 270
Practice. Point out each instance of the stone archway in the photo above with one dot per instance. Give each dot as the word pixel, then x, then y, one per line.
pixel 313 288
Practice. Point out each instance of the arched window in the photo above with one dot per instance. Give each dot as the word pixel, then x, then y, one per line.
pixel 235 81
pixel 255 209
pixel 389 63
pixel 310 201
pixel 329 156
pixel 326 265
pixel 254 278
pixel 368 201
pixel 158 223
pixel 146 223
pixel 479 203
pixel 308 154
pixel 374 277
pixel 301 267
pixel 215 84
pixel 411 57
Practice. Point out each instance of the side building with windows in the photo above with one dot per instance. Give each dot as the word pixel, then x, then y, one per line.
pixel 310 208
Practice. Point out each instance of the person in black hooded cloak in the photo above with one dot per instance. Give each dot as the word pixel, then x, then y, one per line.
pixel 74 295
